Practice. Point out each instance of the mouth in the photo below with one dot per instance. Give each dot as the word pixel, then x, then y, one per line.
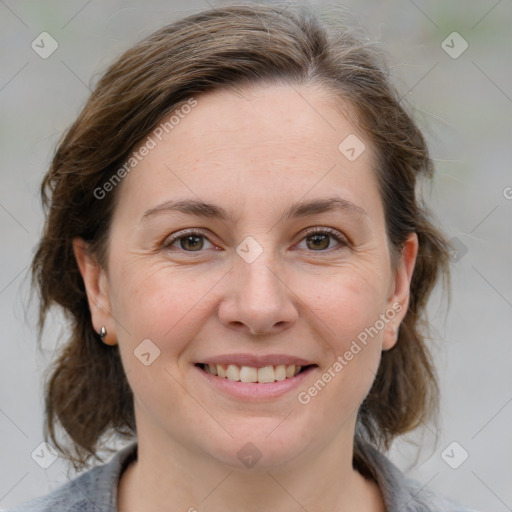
pixel 255 377
pixel 267 374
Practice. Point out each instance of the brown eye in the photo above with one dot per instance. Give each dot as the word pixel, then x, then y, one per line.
pixel 187 241
pixel 191 242
pixel 318 242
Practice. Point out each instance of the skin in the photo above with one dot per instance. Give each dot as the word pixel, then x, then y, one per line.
pixel 256 154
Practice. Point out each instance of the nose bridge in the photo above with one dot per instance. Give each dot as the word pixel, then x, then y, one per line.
pixel 260 280
pixel 259 298
pixel 256 260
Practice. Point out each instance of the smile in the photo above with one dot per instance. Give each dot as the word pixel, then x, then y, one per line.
pixel 262 375
pixel 254 377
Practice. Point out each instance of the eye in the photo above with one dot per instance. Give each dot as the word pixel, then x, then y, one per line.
pixel 319 239
pixel 188 241
pixel 316 239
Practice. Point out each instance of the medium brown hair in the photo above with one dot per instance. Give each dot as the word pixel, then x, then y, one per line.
pixel 87 392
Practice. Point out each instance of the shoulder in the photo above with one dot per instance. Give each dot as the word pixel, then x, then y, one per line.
pixel 422 499
pixel 92 491
pixel 401 493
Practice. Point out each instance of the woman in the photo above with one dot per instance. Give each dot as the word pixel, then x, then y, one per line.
pixel 233 230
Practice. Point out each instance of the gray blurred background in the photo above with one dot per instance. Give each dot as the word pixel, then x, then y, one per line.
pixel 463 101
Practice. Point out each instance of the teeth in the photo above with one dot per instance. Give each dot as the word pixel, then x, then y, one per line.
pixel 233 372
pixel 248 374
pixel 280 371
pixel 221 370
pixel 266 374
pixel 252 374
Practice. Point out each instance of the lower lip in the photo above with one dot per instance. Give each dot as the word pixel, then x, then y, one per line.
pixel 254 391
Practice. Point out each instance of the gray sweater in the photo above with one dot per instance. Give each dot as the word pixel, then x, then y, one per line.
pixel 96 489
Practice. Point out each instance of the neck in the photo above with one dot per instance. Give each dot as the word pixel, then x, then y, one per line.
pixel 168 476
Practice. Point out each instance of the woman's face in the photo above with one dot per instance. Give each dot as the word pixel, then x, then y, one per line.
pixel 249 240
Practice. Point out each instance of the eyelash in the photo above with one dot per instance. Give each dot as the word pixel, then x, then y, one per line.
pixel 336 235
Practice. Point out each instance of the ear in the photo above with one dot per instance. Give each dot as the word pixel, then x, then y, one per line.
pixel 96 287
pixel 398 301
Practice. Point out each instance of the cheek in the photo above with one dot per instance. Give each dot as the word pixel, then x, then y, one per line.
pixel 159 312
pixel 347 301
pixel 159 303
pixel 350 310
pixel 349 307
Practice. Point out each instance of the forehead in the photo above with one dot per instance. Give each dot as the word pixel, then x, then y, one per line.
pixel 260 144
pixel 288 119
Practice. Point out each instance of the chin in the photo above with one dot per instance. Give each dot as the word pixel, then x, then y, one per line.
pixel 260 445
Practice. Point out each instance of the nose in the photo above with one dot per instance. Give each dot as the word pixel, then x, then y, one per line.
pixel 258 301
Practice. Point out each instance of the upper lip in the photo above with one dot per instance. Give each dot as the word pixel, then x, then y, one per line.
pixel 257 361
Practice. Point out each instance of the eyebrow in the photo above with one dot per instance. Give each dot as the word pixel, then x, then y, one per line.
pixel 300 209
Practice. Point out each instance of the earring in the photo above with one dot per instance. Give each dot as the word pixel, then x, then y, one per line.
pixel 103 333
